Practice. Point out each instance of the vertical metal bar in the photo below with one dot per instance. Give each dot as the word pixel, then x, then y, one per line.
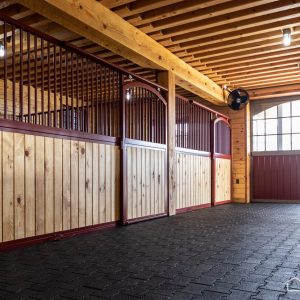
pixel 101 124
pixel 82 94
pixel 49 88
pixel 77 91
pixel 87 96
pixel 61 114
pixel 21 76
pixel 14 71
pixel 151 117
pixel 109 102
pixel 92 100
pixel 97 101
pixel 67 89
pixel 55 87
pixel 42 79
pixel 5 70
pixel 35 81
pixel 104 103
pixel 72 90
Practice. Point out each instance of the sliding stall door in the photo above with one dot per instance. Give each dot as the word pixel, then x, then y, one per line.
pixel 221 162
pixel 144 153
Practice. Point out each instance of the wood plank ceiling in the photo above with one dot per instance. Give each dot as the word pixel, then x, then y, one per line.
pixel 237 43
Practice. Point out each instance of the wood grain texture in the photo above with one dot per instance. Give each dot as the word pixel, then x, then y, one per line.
pixel 51 184
pixel 193 185
pixel 223 180
pixel 145 183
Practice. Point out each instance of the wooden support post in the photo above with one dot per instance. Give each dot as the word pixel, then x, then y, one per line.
pixel 247 154
pixel 167 79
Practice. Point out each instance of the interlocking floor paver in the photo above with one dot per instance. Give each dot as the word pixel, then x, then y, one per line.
pixel 227 252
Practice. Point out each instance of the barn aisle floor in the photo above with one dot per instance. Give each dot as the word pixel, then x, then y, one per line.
pixel 228 252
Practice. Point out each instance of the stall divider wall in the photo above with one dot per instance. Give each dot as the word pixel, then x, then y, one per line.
pixel 195 167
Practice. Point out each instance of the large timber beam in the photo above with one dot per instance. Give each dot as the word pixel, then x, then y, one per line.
pixel 94 21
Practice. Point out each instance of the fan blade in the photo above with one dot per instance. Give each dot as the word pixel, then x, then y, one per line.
pixel 244 99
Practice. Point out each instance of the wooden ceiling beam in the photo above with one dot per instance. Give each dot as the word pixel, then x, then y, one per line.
pixel 95 22
pixel 216 16
pixel 234 33
pixel 238 49
pixel 174 9
pixel 263 22
pixel 267 52
pixel 140 6
pixel 115 3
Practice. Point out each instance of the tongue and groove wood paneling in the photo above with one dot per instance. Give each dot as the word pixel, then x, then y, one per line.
pixel 223 180
pixel 50 184
pixel 193 180
pixel 146 184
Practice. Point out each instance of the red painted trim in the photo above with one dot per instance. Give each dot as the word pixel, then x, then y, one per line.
pixel 203 106
pixel 145 86
pixel 142 219
pixel 221 155
pixel 39 130
pixel 55 236
pixel 222 202
pixel 192 208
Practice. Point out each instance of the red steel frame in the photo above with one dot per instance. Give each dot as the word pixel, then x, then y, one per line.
pixel 213 160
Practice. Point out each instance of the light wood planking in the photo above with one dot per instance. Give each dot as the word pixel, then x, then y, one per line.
pixel 8 186
pixel 145 182
pixel 223 179
pixel 19 197
pixel 193 184
pixel 49 192
pixel 52 184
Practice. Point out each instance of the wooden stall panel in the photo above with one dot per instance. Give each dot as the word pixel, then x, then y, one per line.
pixel 51 184
pixel 146 186
pixel 193 181
pixel 223 180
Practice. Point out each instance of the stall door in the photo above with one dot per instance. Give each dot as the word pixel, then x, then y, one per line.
pixel 221 162
pixel 144 153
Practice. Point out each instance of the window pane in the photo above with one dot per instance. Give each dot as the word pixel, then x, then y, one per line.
pixel 296 124
pixel 254 143
pixel 258 116
pixel 296 142
pixel 260 127
pixel 271 126
pixel 254 128
pixel 286 142
pixel 286 125
pixel 271 112
pixel 261 140
pixel 271 142
pixel 284 110
pixel 296 108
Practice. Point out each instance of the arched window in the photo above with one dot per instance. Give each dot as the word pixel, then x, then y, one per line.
pixel 277 127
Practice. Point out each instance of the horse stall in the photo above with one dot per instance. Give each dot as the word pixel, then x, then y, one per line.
pixel 195 158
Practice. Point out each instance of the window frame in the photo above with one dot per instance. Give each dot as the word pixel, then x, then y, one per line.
pixel 280 116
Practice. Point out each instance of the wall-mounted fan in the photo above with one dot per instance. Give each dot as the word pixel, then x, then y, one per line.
pixel 237 99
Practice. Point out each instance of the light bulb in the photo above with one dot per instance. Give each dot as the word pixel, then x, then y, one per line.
pixel 287 36
pixel 2 50
pixel 128 96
